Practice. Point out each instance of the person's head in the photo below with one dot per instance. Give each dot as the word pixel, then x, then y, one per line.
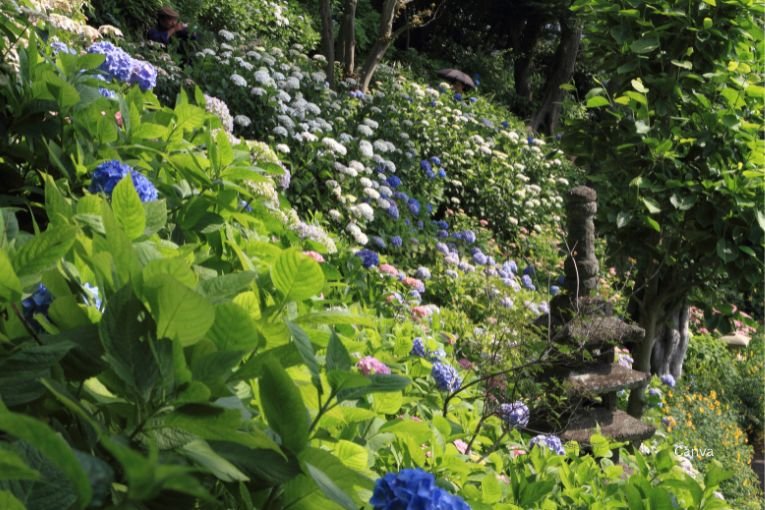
pixel 458 86
pixel 167 17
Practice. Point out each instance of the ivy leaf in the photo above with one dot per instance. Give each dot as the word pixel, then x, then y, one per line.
pixel 297 276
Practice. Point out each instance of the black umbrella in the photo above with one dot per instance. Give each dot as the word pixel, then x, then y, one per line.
pixel 456 75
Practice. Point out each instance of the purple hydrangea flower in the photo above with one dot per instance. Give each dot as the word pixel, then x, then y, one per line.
pixel 669 380
pixel 446 377
pixel 654 392
pixel 117 63
pixel 418 348
pixel 506 302
pixel 479 258
pixel 108 94
pixel 143 74
pixel 423 273
pixel 57 47
pixel 554 290
pixel 413 489
pixel 368 258
pixel 414 206
pixel 442 234
pixel 378 241
pixel 285 179
pixel 441 247
pixel 396 241
pixel 369 365
pixel 526 279
pixel 469 236
pixel 551 442
pixel 514 414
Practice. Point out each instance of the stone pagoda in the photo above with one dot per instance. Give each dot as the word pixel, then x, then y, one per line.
pixel 585 333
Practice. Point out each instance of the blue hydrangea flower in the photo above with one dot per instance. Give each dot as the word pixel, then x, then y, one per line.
pixel 378 241
pixel 435 160
pixel 108 94
pixel 38 302
pixel 416 296
pixel 669 380
pixel 458 96
pixel 423 273
pixel 514 414
pixel 479 258
pixel 441 247
pixel 393 211
pixel 245 205
pixel 368 258
pixel 442 234
pixel 530 270
pixel 473 99
pixel 92 295
pixel 400 195
pixel 446 377
pixel 393 181
pixel 441 173
pixel 511 266
pixel 554 290
pixel 469 236
pixel 57 47
pixel 117 63
pixel 505 124
pixel 526 279
pixel 442 224
pixel 655 392
pixel 549 441
pixel 396 241
pixel 413 489
pixel 418 348
pixel 143 74
pixel 544 307
pixel 414 206
pixel 426 166
pixel 108 174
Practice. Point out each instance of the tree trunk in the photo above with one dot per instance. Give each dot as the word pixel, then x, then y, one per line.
pixel 385 37
pixel 347 42
pixel 671 342
pixel 524 49
pixel 327 42
pixel 547 117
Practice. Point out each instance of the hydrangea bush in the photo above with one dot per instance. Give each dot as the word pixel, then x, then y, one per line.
pixel 198 341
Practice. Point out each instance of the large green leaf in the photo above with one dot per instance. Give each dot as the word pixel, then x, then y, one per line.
pixel 645 45
pixel 21 371
pixel 9 502
pixel 52 446
pixel 182 314
pixel 337 355
pixel 10 286
pixel 201 453
pixel 305 348
pixel 297 276
pixel 234 329
pixel 283 406
pixel 13 467
pixel 128 208
pixel 43 251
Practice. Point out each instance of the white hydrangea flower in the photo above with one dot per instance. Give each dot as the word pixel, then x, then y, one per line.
pixel 225 34
pixel 371 123
pixel 308 137
pixel 335 146
pixel 372 193
pixel 257 91
pixel 283 97
pixel 242 120
pixel 238 80
pixel 281 147
pixel 383 204
pixel 220 109
pixel 366 149
pixel 364 211
pixel 280 131
pixel 335 215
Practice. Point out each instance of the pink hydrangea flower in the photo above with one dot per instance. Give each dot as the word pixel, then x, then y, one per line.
pixel 314 255
pixel 484 223
pixel 517 452
pixel 465 363
pixel 414 283
pixel 369 365
pixel 388 269
pixel 461 446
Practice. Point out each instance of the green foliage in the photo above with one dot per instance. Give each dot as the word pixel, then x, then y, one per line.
pixel 675 116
